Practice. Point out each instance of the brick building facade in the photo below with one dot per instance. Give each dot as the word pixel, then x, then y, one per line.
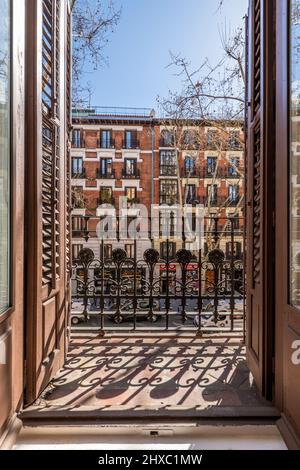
pixel 161 165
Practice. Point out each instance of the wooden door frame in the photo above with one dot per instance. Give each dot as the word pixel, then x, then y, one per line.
pixel 262 364
pixel 12 321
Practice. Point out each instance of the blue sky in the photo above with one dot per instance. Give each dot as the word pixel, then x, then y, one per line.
pixel 138 51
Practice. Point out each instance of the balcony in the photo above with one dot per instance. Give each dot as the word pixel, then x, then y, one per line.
pixel 168 200
pixel 141 283
pixel 168 170
pixel 212 173
pixel 78 204
pixel 106 143
pixel 132 202
pixel 166 143
pixel 78 144
pixel 79 174
pixel 233 202
pixel 234 174
pixel 193 173
pixel 213 201
pixel 106 174
pixel 78 233
pixel 132 144
pixel 192 200
pixel 106 200
pixel 132 174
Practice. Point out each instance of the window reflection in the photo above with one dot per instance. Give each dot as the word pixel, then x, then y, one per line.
pixel 4 152
pixel 295 151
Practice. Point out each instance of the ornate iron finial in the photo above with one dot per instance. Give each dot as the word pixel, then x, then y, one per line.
pixel 184 256
pixel 86 256
pixel 151 256
pixel 216 257
pixel 119 255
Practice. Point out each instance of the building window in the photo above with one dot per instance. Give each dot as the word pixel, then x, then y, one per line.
pixel 129 251
pixel 107 251
pixel 78 201
pixel 212 139
pixel 294 168
pixel 234 163
pixel 106 195
pixel 130 141
pixel 168 250
pixel 189 139
pixel 233 223
pixel 234 141
pixel 130 168
pixel 106 167
pixel 167 223
pixel 235 252
pixel 189 166
pixel 77 167
pixel 5 150
pixel 76 249
pixel 106 141
pixel 190 193
pixel 212 194
pixel 168 192
pixel 77 222
pixel 76 138
pixel 233 193
pixel 167 138
pixel 168 163
pixel 130 194
pixel 211 166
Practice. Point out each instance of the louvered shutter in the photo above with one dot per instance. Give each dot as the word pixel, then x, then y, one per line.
pixel 48 201
pixel 260 206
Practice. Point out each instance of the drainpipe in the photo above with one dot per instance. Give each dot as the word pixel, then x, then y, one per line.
pixel 153 154
pixel 153 164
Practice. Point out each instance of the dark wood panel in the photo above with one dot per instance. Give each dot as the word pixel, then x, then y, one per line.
pixel 260 196
pixel 47 154
pixel 6 408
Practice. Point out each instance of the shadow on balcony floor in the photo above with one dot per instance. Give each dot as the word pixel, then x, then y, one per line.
pixel 150 376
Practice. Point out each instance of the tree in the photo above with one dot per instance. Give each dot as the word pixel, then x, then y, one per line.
pixel 93 21
pixel 212 97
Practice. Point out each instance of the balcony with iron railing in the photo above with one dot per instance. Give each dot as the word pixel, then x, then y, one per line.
pixel 131 174
pixel 202 287
pixel 131 144
pixel 213 201
pixel 106 143
pixel 78 203
pixel 167 142
pixel 190 173
pixel 104 199
pixel 78 144
pixel 167 200
pixel 105 174
pixel 131 202
pixel 208 173
pixel 168 170
pixel 233 201
pixel 78 174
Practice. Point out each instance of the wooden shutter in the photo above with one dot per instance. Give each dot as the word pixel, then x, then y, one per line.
pixel 260 194
pixel 48 192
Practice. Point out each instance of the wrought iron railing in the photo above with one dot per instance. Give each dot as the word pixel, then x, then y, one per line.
pixel 198 290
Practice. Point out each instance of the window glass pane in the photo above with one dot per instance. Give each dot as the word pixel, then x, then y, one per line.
pixel 4 154
pixel 295 152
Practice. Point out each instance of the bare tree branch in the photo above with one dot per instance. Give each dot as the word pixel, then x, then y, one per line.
pixel 93 21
